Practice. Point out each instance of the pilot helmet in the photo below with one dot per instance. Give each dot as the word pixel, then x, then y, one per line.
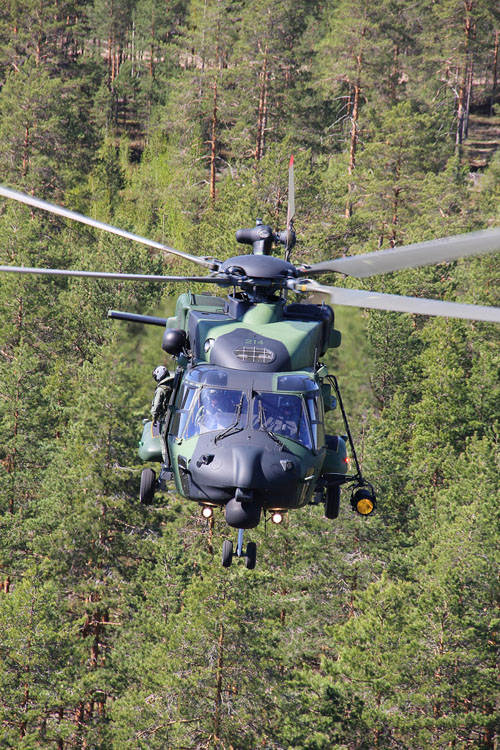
pixel 288 406
pixel 159 373
pixel 211 397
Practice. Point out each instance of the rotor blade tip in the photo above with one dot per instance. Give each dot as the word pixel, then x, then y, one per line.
pixel 291 161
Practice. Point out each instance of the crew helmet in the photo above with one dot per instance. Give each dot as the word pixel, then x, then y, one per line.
pixel 288 406
pixel 211 397
pixel 160 372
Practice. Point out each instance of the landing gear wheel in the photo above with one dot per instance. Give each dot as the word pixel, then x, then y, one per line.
pixel 147 488
pixel 332 502
pixel 227 553
pixel 251 555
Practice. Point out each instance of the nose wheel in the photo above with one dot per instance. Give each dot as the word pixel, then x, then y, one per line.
pixel 227 553
pixel 250 555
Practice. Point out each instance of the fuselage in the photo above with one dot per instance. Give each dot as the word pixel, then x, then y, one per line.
pixel 245 427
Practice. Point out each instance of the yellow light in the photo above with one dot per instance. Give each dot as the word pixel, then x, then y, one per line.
pixel 207 512
pixel 363 501
pixel 364 506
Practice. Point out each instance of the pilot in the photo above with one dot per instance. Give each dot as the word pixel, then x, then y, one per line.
pixel 164 383
pixel 214 414
pixel 287 422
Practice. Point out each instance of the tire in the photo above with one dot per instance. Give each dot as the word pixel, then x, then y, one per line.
pixel 147 488
pixel 251 555
pixel 332 502
pixel 227 553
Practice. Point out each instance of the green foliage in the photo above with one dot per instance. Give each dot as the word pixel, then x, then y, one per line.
pixel 118 626
pixel 43 129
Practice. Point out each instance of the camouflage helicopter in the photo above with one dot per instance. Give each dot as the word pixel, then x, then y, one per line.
pixel 244 425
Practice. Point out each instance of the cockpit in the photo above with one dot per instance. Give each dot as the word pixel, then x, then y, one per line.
pixel 224 401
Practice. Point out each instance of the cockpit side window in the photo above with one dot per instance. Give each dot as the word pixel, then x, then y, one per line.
pixel 314 407
pixel 188 396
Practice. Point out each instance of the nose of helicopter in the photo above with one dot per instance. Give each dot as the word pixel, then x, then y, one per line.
pixel 257 473
pixel 248 471
pixel 255 476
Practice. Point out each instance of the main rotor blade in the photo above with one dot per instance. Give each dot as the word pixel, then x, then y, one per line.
pixel 291 194
pixel 221 280
pixel 411 256
pixel 419 305
pixel 60 211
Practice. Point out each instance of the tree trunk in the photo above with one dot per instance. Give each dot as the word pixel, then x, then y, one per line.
pixel 218 687
pixel 262 111
pixel 213 143
pixel 395 74
pixel 351 605
pixel 11 459
pixel 468 96
pixel 395 204
pixel 354 142
pixel 494 81
pixel 465 88
pixel 26 143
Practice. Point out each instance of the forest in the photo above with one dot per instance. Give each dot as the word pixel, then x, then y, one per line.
pixel 175 120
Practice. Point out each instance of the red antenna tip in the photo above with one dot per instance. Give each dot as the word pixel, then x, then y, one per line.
pixel 291 161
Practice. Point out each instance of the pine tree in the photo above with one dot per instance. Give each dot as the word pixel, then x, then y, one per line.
pixel 46 138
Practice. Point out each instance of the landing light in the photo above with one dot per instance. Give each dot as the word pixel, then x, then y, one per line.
pixel 277 518
pixel 363 501
pixel 207 512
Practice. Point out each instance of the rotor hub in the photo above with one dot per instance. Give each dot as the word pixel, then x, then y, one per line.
pixel 259 267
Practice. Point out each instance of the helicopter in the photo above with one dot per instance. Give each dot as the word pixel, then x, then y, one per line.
pixel 243 429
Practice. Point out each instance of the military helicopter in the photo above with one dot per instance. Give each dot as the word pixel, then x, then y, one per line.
pixel 244 425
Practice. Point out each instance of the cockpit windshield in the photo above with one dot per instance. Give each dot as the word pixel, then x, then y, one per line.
pixel 206 404
pixel 282 414
pixel 208 409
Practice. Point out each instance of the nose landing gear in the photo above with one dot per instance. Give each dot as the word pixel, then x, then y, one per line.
pixel 250 555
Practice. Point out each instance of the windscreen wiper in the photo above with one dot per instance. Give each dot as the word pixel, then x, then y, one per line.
pixel 233 428
pixel 266 429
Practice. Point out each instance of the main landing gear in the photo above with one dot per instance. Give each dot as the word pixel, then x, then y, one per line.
pixel 332 501
pixel 250 555
pixel 148 486
pixel 149 483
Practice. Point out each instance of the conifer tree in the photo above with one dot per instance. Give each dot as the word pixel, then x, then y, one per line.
pixel 118 626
